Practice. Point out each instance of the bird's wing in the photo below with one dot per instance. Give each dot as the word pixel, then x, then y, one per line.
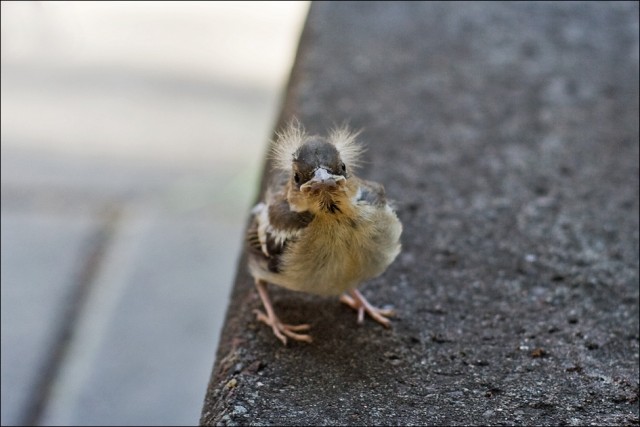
pixel 371 193
pixel 274 225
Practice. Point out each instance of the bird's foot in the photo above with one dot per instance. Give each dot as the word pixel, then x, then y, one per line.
pixel 358 302
pixel 282 330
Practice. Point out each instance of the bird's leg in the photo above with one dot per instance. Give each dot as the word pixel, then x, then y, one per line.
pixel 280 330
pixel 358 302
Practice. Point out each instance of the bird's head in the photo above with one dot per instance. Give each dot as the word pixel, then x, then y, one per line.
pixel 320 168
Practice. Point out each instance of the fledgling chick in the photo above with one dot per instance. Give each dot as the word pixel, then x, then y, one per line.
pixel 320 228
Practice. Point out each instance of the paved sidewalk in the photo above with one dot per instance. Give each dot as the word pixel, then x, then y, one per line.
pixel 132 142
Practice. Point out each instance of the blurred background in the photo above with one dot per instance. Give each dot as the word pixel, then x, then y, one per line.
pixel 133 137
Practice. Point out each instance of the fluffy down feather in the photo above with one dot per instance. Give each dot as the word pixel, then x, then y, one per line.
pixel 289 140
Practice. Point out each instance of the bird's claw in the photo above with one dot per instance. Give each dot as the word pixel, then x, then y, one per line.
pixel 358 302
pixel 283 330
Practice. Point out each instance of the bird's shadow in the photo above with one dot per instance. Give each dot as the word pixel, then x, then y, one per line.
pixel 355 353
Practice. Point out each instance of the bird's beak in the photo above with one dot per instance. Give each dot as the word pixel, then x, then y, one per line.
pixel 322 179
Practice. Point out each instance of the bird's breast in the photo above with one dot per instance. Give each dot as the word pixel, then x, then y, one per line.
pixel 334 254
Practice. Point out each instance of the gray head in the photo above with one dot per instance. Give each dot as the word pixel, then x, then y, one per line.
pixel 317 165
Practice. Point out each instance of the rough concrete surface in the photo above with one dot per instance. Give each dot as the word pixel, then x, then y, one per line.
pixel 508 135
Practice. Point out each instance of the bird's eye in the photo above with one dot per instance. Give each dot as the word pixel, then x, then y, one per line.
pixel 296 177
pixel 344 167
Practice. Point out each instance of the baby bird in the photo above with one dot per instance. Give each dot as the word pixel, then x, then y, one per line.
pixel 320 228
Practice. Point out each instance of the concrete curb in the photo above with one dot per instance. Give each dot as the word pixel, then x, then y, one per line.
pixel 508 135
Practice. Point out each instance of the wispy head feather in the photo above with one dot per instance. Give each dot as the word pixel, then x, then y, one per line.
pixel 289 140
pixel 345 141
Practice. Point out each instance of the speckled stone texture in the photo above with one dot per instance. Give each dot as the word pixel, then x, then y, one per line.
pixel 507 133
